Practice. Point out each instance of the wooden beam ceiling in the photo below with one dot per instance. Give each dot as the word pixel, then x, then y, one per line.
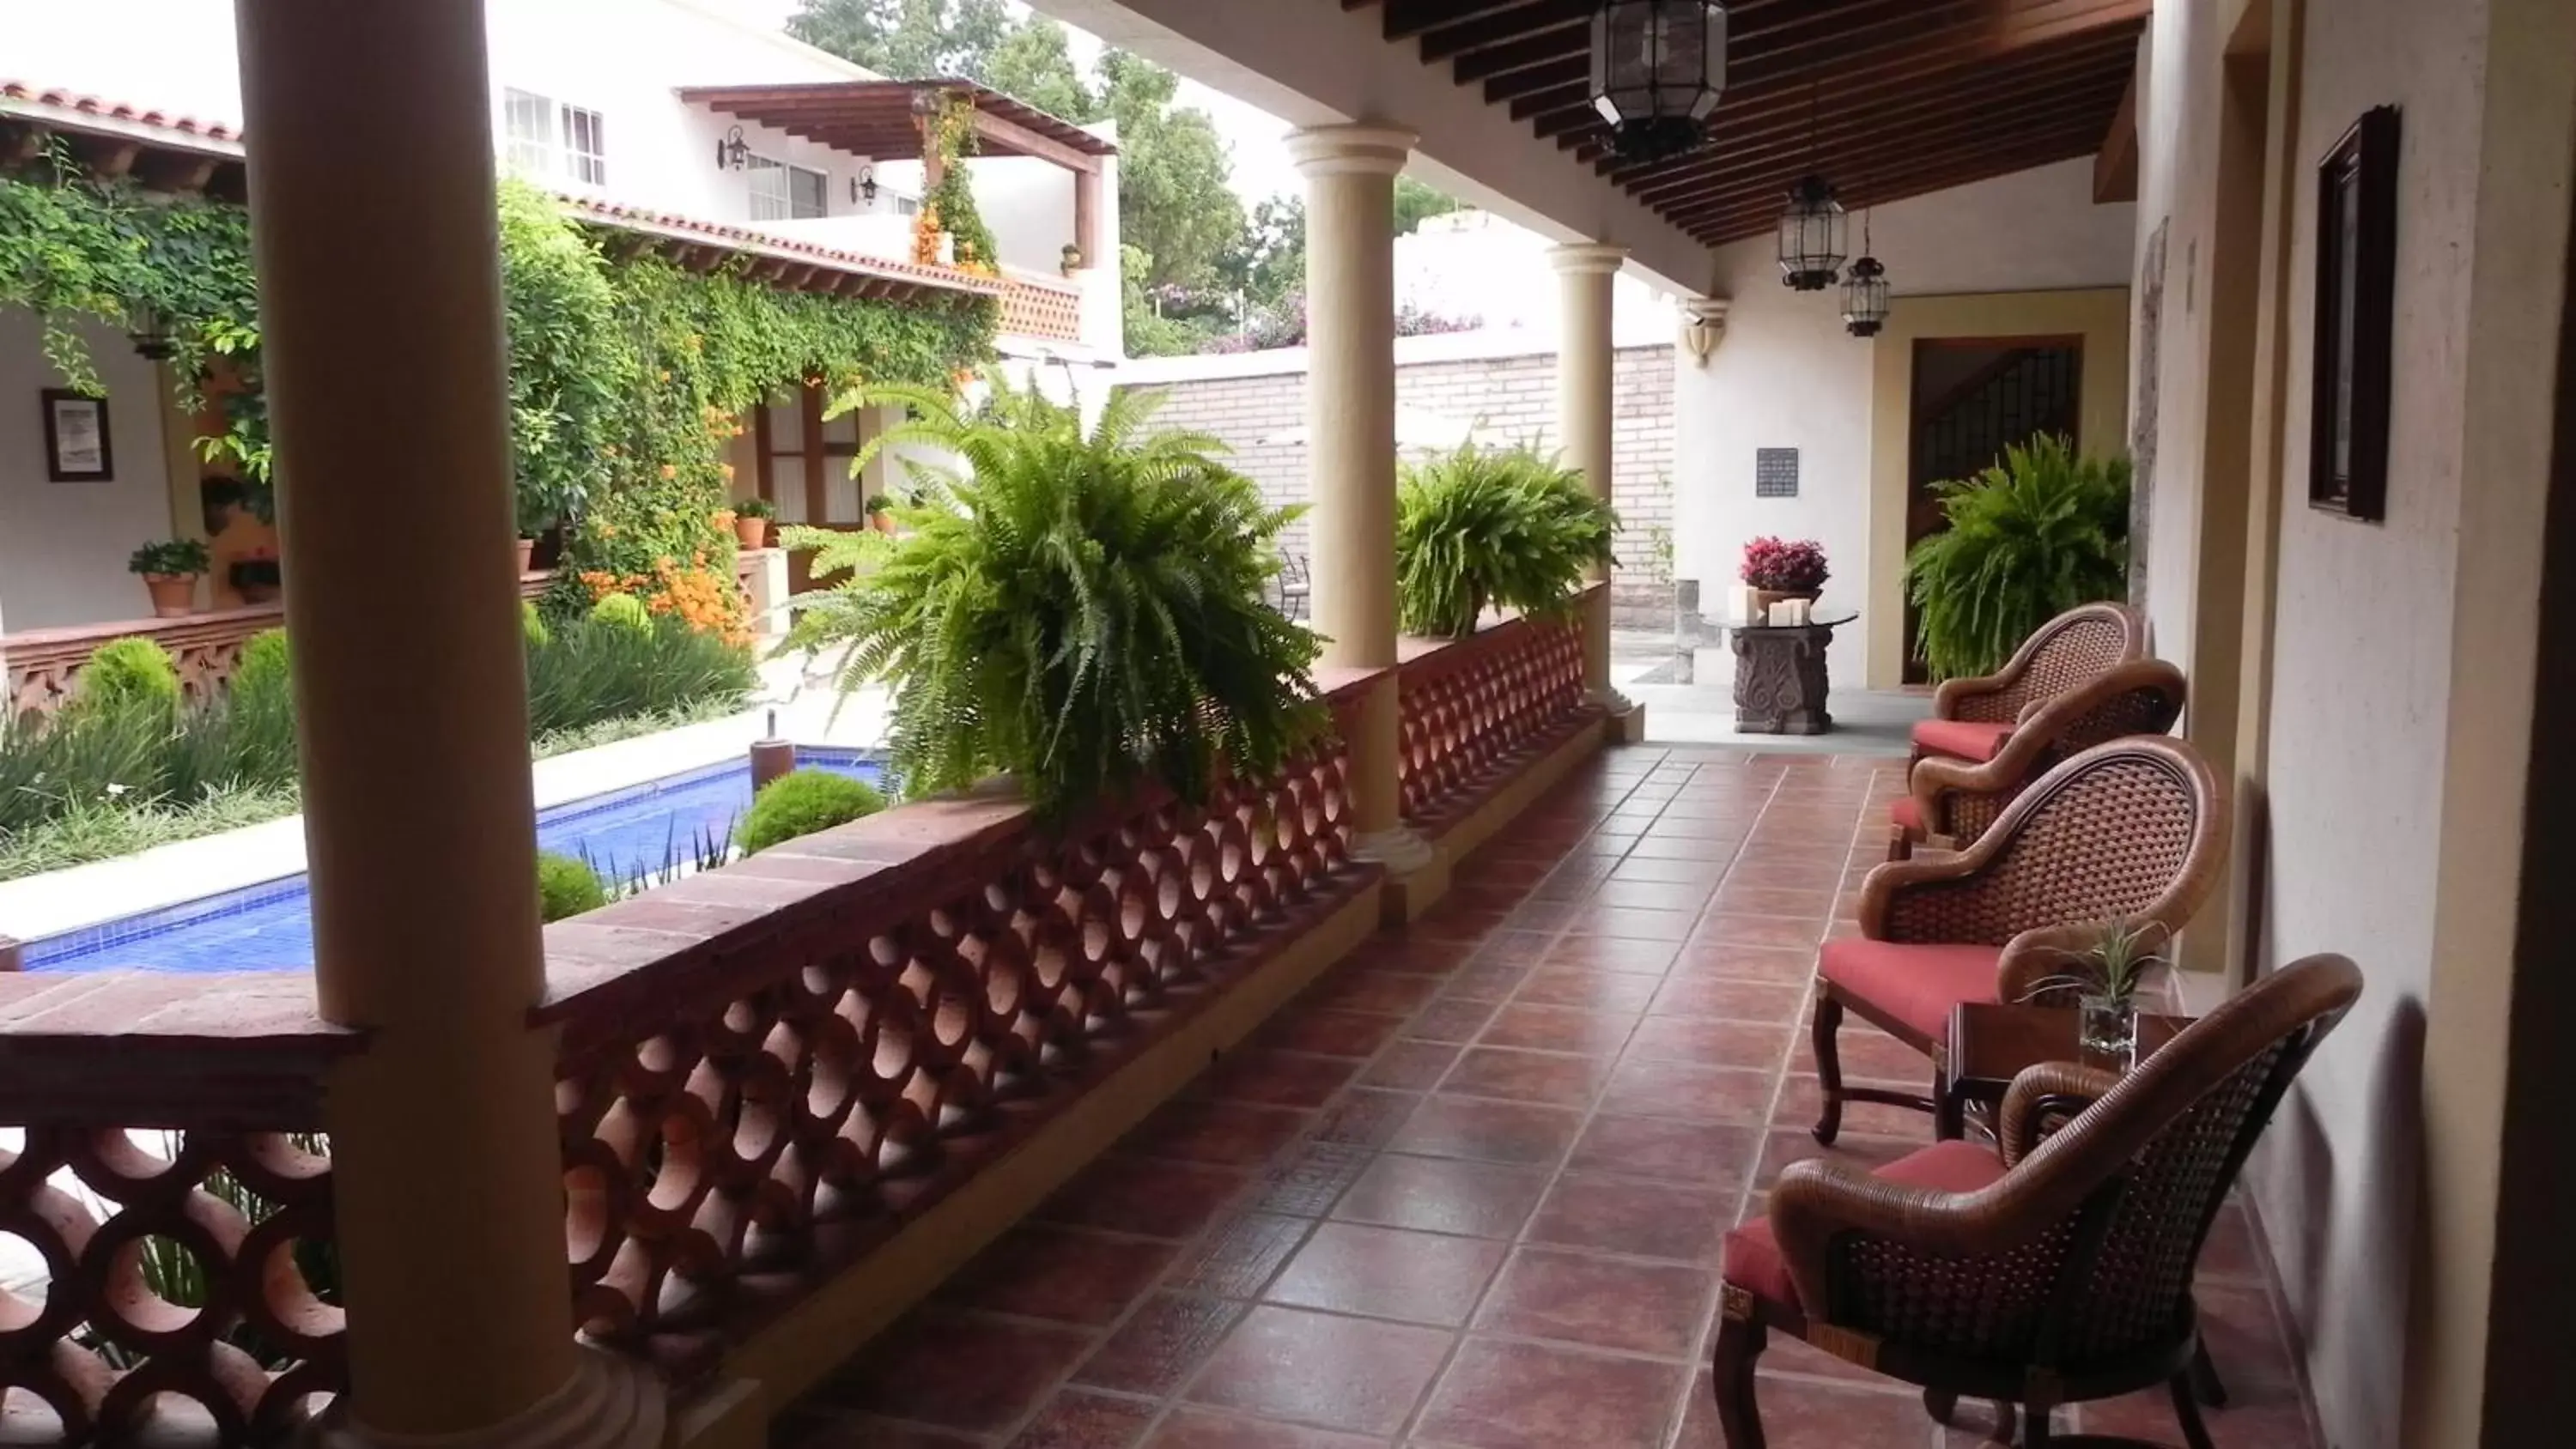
pixel 1887 98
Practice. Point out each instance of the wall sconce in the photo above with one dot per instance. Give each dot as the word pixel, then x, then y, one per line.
pixel 733 152
pixel 1703 324
pixel 863 187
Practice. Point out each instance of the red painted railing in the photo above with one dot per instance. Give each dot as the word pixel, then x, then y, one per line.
pixel 1472 709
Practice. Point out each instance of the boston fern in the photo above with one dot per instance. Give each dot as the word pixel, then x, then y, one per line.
pixel 1083 610
pixel 1499 526
pixel 2026 540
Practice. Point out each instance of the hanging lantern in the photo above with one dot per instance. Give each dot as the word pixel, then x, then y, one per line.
pixel 149 331
pixel 1658 67
pixel 1864 297
pixel 733 151
pixel 1814 236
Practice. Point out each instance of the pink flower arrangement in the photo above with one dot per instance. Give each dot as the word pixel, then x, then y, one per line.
pixel 1788 566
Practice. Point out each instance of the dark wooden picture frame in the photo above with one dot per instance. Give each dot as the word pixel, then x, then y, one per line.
pixel 2355 319
pixel 58 468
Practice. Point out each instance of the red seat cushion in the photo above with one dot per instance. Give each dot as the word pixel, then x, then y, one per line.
pixel 1907 815
pixel 1916 984
pixel 1752 1255
pixel 1961 739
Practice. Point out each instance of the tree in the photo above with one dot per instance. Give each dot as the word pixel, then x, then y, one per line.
pixel 908 39
pixel 1176 202
pixel 1271 263
pixel 1034 64
pixel 1414 201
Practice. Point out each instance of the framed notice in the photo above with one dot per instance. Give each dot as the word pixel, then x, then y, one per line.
pixel 76 447
pixel 2355 316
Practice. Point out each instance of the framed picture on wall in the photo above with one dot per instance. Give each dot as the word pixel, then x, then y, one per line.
pixel 2355 308
pixel 76 448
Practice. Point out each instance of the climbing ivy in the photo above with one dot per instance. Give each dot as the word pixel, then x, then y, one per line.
pixel 625 374
pixel 950 206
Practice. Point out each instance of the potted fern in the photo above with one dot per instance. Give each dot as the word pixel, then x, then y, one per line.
pixel 2026 540
pixel 169 569
pixel 1482 527
pixel 1080 610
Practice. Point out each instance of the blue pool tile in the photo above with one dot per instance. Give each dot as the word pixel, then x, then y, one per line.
pixel 269 926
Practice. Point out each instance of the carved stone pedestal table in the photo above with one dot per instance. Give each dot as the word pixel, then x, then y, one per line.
pixel 1780 673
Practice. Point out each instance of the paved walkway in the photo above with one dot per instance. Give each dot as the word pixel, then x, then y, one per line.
pixel 1470 1190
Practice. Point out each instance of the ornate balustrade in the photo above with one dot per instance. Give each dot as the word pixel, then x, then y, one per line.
pixel 1471 709
pixel 765 1071
pixel 44 665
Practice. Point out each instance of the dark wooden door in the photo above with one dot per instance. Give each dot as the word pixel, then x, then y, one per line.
pixel 1972 398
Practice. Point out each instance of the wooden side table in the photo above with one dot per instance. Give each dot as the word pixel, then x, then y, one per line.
pixel 1992 1042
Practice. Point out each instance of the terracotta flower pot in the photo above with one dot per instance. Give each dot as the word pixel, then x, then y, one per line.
pixel 174 596
pixel 881 522
pixel 527 553
pixel 751 532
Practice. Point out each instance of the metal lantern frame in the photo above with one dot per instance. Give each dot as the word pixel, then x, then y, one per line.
pixel 1814 236
pixel 1865 297
pixel 733 152
pixel 1658 69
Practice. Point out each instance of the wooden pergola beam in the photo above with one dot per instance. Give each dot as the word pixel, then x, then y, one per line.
pixel 1013 136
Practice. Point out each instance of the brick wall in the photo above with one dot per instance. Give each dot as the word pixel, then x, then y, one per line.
pixel 1514 397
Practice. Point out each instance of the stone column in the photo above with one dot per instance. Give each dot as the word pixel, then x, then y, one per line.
pixel 380 310
pixel 1583 361
pixel 1350 422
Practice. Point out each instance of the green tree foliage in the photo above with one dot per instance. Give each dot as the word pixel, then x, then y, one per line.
pixel 1176 201
pixel 1270 267
pixel 1034 63
pixel 569 365
pixel 1415 200
pixel 1084 610
pixel 801 802
pixel 2022 542
pixel 907 39
pixel 1486 526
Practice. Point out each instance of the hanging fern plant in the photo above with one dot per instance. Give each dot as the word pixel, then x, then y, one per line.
pixel 2026 540
pixel 1082 610
pixel 1506 527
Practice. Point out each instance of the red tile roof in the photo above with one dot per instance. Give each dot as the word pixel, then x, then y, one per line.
pixel 61 99
pixel 744 238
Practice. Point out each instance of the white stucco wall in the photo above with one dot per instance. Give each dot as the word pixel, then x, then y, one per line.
pixel 63 545
pixel 1787 375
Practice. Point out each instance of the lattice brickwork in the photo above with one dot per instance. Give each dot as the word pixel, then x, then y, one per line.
pixel 1471 708
pixel 1040 309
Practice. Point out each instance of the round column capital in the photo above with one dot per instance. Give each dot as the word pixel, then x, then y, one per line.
pixel 1586 258
pixel 1355 150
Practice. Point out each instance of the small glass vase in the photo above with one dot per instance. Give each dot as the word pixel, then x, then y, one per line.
pixel 2107 1031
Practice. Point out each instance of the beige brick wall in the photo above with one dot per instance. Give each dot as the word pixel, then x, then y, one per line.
pixel 1514 397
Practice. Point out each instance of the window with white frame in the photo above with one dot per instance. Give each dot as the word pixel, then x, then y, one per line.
pixel 528 125
pixel 780 192
pixel 767 182
pixel 585 144
pixel 545 140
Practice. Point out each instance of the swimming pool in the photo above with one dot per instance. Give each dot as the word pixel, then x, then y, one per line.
pixel 269 926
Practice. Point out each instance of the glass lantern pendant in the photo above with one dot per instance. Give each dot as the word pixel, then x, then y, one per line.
pixel 1865 297
pixel 1814 236
pixel 1658 67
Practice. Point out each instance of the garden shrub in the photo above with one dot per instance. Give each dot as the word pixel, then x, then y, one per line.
pixel 259 713
pixel 566 886
pixel 590 670
pixel 532 626
pixel 1493 526
pixel 801 802
pixel 624 610
pixel 130 675
pixel 1083 610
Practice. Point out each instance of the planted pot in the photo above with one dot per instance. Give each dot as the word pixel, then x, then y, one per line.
pixel 174 596
pixel 881 522
pixel 527 553
pixel 2108 1030
pixel 751 532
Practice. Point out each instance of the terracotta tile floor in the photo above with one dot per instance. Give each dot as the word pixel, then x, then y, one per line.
pixel 1470 1190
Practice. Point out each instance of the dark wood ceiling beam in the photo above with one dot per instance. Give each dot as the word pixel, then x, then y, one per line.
pixel 1921 180
pixel 1573 70
pixel 1494 27
pixel 1521 54
pixel 1898 164
pixel 1406 19
pixel 1732 149
pixel 1772 178
pixel 1563 98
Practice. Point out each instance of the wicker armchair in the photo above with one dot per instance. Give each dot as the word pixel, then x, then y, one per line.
pixel 1971 718
pixel 1953 801
pixel 2056 1270
pixel 2134 830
